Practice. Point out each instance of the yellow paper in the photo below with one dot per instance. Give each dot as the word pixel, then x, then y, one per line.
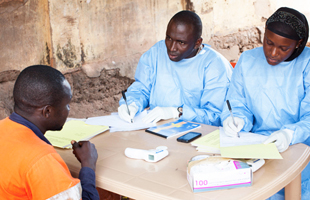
pixel 210 140
pixel 262 151
pixel 73 130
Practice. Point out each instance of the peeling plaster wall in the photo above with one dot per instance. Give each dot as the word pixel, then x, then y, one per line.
pixel 95 35
pixel 97 44
pixel 115 33
pixel 24 34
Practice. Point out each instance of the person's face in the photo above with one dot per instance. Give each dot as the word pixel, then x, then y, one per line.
pixel 61 111
pixel 278 48
pixel 180 41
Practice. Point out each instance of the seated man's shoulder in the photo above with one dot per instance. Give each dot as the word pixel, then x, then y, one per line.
pixel 253 55
pixel 210 53
pixel 159 45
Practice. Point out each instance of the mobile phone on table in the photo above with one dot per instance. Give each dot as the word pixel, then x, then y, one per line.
pixel 188 137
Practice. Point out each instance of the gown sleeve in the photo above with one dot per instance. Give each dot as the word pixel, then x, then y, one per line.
pixel 237 97
pixel 302 127
pixel 216 81
pixel 139 91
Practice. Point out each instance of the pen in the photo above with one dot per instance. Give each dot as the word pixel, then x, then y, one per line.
pixel 124 96
pixel 231 114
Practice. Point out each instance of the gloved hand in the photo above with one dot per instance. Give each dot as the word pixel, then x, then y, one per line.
pixel 282 139
pixel 123 112
pixel 159 113
pixel 229 127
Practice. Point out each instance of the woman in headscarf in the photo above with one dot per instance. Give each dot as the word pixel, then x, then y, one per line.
pixel 270 87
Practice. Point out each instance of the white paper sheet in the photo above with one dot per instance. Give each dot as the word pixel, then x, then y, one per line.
pixel 117 124
pixel 246 138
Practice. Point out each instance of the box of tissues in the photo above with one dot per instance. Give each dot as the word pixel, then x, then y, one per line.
pixel 214 173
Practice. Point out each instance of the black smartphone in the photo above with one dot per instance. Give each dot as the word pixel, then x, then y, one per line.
pixel 188 137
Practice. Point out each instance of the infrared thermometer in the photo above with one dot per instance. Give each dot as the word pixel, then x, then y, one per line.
pixel 152 155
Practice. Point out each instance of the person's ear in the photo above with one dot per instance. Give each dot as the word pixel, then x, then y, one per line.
pixel 298 43
pixel 198 43
pixel 47 111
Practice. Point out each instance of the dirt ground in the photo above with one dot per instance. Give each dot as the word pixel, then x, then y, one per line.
pixel 91 96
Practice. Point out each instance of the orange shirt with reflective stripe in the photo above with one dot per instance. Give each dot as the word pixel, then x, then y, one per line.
pixel 30 168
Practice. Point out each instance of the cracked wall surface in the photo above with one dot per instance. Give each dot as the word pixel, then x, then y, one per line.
pixel 92 97
pixel 97 44
pixel 231 46
pixel 24 34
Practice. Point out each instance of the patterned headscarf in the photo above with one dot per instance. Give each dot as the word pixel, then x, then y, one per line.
pixel 290 23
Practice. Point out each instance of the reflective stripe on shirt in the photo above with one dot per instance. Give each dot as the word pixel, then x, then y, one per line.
pixel 73 193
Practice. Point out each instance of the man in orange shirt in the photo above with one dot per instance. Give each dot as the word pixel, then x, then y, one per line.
pixel 31 168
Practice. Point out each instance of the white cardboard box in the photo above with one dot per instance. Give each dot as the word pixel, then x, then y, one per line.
pixel 214 173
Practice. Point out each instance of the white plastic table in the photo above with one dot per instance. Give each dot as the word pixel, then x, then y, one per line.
pixel 166 179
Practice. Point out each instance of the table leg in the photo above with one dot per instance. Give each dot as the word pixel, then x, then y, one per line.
pixel 293 189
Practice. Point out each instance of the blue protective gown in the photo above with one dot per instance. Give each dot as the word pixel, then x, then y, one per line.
pixel 199 84
pixel 270 98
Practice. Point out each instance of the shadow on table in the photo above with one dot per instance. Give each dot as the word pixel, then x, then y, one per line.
pixel 107 195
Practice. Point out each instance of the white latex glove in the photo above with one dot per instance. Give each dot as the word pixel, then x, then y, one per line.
pixel 282 139
pixel 159 113
pixel 231 129
pixel 123 112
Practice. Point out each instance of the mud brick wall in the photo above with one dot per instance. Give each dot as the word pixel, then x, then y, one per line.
pixel 98 95
pixel 97 44
pixel 91 96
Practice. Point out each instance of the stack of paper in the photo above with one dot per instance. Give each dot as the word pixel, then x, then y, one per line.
pixel 117 124
pixel 73 130
pixel 249 145
pixel 209 143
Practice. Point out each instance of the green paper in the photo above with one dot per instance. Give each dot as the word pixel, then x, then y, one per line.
pixel 259 151
pixel 73 130
pixel 210 140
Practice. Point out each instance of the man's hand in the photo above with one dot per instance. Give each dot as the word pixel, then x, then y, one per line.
pixel 230 128
pixel 281 138
pixel 123 112
pixel 159 113
pixel 86 153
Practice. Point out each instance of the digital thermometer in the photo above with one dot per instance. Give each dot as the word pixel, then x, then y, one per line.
pixel 152 155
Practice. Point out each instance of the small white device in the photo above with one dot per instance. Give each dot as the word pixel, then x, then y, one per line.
pixel 255 164
pixel 152 155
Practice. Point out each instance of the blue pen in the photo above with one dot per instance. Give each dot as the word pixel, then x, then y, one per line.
pixel 229 108
pixel 124 96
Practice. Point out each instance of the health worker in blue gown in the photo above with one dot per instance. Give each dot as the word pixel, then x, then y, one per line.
pixel 179 77
pixel 270 87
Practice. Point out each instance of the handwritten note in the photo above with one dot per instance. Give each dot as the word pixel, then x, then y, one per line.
pixel 246 138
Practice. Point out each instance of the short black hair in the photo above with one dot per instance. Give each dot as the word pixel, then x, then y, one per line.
pixel 189 18
pixel 37 86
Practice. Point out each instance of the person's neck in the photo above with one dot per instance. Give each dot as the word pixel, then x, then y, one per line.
pixel 33 118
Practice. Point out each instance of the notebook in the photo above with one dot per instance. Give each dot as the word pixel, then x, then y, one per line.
pixel 173 128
